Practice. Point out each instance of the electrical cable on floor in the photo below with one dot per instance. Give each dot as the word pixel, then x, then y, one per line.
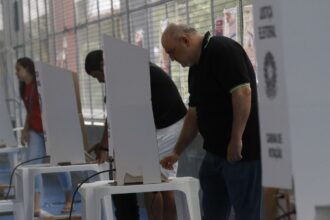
pixel 280 196
pixel 80 184
pixel 18 165
pixel 285 214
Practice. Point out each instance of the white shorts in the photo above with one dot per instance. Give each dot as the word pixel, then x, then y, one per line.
pixel 167 138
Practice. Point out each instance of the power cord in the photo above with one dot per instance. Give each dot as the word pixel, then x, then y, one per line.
pixel 84 181
pixel 13 172
pixel 280 196
pixel 285 214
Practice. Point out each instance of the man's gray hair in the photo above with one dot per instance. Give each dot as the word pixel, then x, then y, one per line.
pixel 175 30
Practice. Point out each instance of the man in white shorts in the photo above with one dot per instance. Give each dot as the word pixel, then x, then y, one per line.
pixel 167 138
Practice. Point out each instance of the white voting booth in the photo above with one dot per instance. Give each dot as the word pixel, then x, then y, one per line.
pixel 7 138
pixel 132 132
pixel 63 134
pixel 64 141
pixel 292 42
pixel 273 113
pixel 133 135
pixel 8 143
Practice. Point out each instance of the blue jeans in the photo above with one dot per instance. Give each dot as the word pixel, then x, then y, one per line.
pixel 36 148
pixel 227 185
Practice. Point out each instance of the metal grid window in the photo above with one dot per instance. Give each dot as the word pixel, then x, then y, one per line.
pixel 62 32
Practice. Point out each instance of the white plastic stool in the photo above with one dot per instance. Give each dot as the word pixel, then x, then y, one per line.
pixel 25 177
pixel 6 206
pixel 189 186
pixel 322 212
pixel 12 154
pixel 87 192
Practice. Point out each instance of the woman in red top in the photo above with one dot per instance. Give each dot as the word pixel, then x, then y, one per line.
pixel 32 133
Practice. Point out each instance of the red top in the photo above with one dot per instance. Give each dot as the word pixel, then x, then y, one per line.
pixel 32 105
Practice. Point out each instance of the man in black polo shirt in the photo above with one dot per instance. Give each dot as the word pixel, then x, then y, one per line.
pixel 223 108
pixel 168 111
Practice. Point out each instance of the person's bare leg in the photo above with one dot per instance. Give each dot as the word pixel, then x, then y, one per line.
pixel 169 210
pixel 68 200
pixel 36 204
pixel 154 205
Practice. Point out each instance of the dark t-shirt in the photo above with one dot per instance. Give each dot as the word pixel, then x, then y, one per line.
pixel 223 65
pixel 167 104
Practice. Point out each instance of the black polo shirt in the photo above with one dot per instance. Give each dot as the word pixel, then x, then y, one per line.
pixel 167 104
pixel 223 66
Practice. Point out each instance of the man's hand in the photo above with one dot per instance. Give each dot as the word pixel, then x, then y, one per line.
pixel 168 161
pixel 24 136
pixel 234 151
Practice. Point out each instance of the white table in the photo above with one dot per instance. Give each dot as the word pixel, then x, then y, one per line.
pixel 322 212
pixel 93 194
pixel 86 191
pixel 7 205
pixel 12 153
pixel 25 177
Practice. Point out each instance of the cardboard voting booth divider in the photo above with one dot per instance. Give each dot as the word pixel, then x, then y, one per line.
pixel 79 108
pixel 7 138
pixel 60 114
pixel 293 71
pixel 8 145
pixel 132 132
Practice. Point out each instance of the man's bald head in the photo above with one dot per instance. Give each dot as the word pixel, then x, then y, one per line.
pixel 182 43
pixel 174 31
